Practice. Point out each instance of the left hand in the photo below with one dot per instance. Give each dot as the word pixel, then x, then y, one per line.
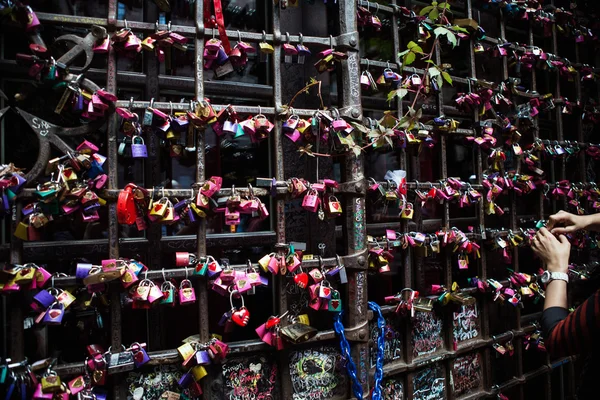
pixel 554 252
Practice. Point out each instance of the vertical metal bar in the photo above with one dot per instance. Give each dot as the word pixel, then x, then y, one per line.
pixel 201 285
pixel 406 254
pixel 16 331
pixel 354 205
pixel 113 183
pixel 482 265
pixel 581 155
pixel 152 177
pixel 280 293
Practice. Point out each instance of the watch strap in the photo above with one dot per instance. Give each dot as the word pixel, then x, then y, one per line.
pixel 558 276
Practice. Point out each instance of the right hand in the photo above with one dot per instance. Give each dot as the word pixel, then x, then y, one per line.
pixel 571 222
pixel 553 251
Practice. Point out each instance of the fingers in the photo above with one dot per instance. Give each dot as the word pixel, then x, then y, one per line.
pixel 563 239
pixel 544 232
pixel 563 230
pixel 559 217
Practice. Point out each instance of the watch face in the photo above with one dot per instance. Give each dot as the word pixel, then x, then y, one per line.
pixel 545 277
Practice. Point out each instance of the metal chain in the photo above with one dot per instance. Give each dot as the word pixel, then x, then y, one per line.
pixel 345 347
pixel 376 395
pixel 338 326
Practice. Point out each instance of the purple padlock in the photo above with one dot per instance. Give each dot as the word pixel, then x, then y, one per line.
pixel 99 394
pixel 140 356
pixel 54 314
pixel 191 215
pixel 222 57
pixel 186 380
pixel 82 270
pixel 44 298
pixel 202 357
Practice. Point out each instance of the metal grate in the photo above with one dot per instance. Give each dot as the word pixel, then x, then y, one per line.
pixel 405 369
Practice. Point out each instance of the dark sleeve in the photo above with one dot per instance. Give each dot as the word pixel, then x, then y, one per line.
pixel 567 334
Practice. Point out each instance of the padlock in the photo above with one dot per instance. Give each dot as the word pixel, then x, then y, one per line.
pixel 334 207
pixel 120 362
pixel 187 294
pixel 298 332
pixel 311 201
pixel 44 298
pixel 408 211
pixel 335 302
pixel 32 20
pixel 140 356
pixel 138 147
pixel 51 382
pixel 54 314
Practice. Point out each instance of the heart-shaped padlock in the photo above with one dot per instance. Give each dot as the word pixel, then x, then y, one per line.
pixel 301 280
pixel 241 316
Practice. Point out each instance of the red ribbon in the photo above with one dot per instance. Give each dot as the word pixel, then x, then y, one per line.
pixel 219 21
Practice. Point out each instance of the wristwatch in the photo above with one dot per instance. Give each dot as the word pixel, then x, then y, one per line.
pixel 548 277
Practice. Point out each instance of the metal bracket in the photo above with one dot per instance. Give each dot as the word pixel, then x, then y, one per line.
pixel 347 41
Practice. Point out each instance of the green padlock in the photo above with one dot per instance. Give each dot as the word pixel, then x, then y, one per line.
pixel 335 303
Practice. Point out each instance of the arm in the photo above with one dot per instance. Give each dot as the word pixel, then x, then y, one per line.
pixel 572 223
pixel 566 334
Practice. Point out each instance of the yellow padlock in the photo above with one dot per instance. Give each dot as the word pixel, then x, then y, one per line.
pixel 186 350
pixel 266 48
pixel 198 372
pixel 51 383
pixel 303 319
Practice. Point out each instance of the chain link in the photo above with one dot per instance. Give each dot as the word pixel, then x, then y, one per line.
pixel 376 395
pixel 338 326
pixel 345 347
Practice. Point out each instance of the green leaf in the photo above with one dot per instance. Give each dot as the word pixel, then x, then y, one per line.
pixel 430 61
pixel 391 96
pixel 356 150
pixel 417 49
pixel 457 28
pixel 434 14
pixel 411 44
pixel 411 112
pixel 402 54
pixel 440 30
pixel 409 58
pixel 447 77
pixel 440 81
pixel 426 10
pixel 444 5
pixel 451 38
pixel 419 114
pixel 433 71
pixel 434 3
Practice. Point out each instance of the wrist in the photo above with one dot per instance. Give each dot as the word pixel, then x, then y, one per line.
pixel 558 267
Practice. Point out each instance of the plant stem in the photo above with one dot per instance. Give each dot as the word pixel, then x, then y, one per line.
pixel 304 89
pixel 433 47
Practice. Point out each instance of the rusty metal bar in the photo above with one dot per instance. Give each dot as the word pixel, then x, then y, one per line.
pixel 347 39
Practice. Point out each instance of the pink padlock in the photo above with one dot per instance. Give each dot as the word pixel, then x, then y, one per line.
pixel 101 47
pixel 311 201
pixel 338 124
pixel 187 294
pixel 32 20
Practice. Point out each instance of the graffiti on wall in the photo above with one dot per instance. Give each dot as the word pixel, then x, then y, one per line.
pixel 318 373
pixel 427 337
pixel 393 345
pixel 465 323
pixel 466 374
pixel 250 378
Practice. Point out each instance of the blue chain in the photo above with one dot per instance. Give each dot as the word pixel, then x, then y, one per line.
pixel 376 395
pixel 338 326
pixel 345 346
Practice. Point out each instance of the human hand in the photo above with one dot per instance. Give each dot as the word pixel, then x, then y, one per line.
pixel 571 222
pixel 554 252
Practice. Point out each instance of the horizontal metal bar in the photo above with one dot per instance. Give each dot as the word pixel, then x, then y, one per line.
pixel 394 66
pixel 186 30
pixel 172 356
pixel 41 252
pixel 353 261
pixel 376 7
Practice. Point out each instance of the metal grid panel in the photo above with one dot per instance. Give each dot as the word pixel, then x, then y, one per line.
pixel 353 234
